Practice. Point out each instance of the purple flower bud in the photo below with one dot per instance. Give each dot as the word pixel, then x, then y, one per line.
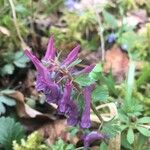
pixel 111 38
pixel 91 137
pixel 66 97
pixel 50 52
pixel 87 69
pixel 72 56
pixel 85 120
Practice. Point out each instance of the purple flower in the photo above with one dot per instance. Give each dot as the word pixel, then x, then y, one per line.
pixel 111 38
pixel 50 52
pixel 66 97
pixel 91 137
pixel 72 113
pixel 85 120
pixel 54 79
pixel 43 82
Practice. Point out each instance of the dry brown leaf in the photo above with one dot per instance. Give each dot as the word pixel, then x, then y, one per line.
pixel 4 30
pixel 136 17
pixel 106 116
pixel 23 110
pixel 117 61
pixel 115 143
pixel 55 130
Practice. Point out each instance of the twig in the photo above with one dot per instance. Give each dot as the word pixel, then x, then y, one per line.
pixel 96 112
pixel 100 32
pixel 23 44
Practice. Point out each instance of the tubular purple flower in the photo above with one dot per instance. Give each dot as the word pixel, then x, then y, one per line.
pixel 91 137
pixel 43 82
pixel 85 120
pixel 50 52
pixel 72 113
pixel 72 56
pixel 87 69
pixel 43 71
pixel 66 97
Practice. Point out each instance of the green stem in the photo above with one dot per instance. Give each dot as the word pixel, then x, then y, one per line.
pixel 96 112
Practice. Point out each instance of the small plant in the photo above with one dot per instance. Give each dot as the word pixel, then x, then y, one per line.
pixel 10 131
pixel 33 142
pixel 5 100
pixel 61 145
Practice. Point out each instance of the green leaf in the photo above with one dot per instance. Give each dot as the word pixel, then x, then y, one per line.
pixel 70 147
pixel 124 141
pixel 110 19
pixel 7 91
pixel 144 120
pixel 74 63
pixel 143 131
pixel 8 69
pixel 111 128
pixel 98 68
pixel 109 81
pixel 9 131
pixel 144 76
pixel 130 135
pixel 103 146
pixel 20 60
pixel 21 9
pixel 8 101
pixel 130 82
pixel 2 108
pixel 84 80
pixel 100 93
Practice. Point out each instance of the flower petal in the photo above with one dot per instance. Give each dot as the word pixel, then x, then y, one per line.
pixel 50 52
pixel 42 70
pixel 91 137
pixel 85 120
pixel 72 113
pixel 66 97
pixel 72 56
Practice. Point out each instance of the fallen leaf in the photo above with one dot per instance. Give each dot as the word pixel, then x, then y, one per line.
pixel 4 30
pixel 55 130
pixel 106 116
pixel 23 110
pixel 117 61
pixel 136 17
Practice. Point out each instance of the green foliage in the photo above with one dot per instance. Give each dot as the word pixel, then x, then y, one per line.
pixel 61 145
pixel 33 142
pixel 111 128
pixel 84 80
pixel 78 30
pixel 4 99
pixel 12 61
pixel 110 20
pixel 130 135
pixel 9 131
pixel 100 94
pixel 97 75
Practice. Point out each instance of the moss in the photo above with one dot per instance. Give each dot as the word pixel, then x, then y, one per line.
pixel 33 142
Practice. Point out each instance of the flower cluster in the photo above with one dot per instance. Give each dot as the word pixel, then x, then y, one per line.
pixel 55 80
